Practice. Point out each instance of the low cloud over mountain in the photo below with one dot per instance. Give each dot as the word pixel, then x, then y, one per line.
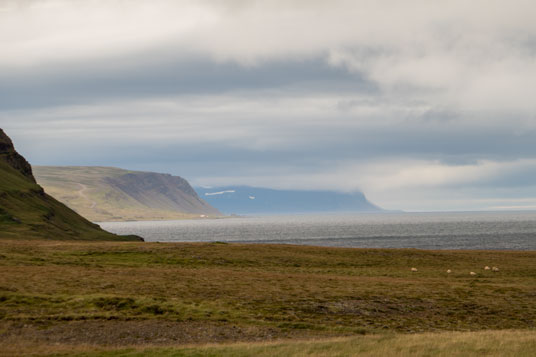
pixel 419 105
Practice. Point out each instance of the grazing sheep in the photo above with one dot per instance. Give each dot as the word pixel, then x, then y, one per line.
pixel 472 273
pixel 495 269
pixel 449 271
pixel 414 269
pixel 486 267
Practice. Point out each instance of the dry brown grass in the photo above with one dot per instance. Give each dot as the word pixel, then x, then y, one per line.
pixel 108 293
pixel 446 344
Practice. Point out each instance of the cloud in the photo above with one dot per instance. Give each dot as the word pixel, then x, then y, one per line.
pixel 478 56
pixel 413 102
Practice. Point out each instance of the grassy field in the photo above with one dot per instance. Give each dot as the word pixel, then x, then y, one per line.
pixel 139 294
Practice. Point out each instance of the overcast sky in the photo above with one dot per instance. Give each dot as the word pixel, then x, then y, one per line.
pixel 422 105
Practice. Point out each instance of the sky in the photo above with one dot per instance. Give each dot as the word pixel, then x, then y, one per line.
pixel 421 105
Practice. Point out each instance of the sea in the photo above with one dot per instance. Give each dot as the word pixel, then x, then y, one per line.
pixel 459 230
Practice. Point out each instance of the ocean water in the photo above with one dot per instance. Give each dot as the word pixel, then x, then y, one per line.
pixel 474 230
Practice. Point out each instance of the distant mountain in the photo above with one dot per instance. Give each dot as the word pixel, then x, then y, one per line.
pixel 27 212
pixel 252 200
pixel 112 194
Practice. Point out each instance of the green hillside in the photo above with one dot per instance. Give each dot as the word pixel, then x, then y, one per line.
pixel 112 194
pixel 26 211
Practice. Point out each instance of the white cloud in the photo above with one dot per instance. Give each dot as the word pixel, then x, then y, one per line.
pixel 467 56
pixel 449 82
pixel 49 32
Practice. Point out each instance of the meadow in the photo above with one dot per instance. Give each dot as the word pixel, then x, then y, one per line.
pixel 122 298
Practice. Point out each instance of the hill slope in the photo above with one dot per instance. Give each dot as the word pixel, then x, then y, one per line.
pixel 112 194
pixel 26 211
pixel 251 200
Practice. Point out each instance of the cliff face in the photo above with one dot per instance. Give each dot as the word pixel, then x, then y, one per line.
pixel 255 200
pixel 27 212
pixel 113 194
pixel 162 191
pixel 13 158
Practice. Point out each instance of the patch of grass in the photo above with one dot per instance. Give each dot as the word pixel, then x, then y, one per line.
pixel 153 309
pixel 446 344
pixel 115 303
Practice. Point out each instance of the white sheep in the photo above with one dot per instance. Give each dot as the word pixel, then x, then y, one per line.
pixel 495 269
pixel 486 267
pixel 414 269
pixel 449 271
pixel 472 273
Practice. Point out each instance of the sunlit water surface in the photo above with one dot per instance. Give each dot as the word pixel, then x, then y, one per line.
pixel 480 230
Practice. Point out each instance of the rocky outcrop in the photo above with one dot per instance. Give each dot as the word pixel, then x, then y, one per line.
pixel 162 191
pixel 112 194
pixel 27 212
pixel 13 158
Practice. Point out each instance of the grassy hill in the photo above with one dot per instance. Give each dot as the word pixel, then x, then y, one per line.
pixel 26 211
pixel 113 194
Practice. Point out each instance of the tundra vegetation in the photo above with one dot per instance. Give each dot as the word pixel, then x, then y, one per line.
pixel 107 298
